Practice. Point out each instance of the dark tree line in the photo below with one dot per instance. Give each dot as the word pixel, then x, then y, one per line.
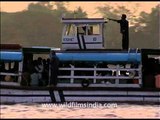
pixel 144 30
pixel 38 25
pixel 41 25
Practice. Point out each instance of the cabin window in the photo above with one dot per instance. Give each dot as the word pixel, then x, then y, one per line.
pixel 82 30
pixel 70 30
pixel 94 29
pixel 89 29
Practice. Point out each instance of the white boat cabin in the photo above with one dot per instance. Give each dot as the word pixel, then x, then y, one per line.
pixel 83 33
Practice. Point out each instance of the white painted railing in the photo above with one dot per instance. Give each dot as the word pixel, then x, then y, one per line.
pixel 117 77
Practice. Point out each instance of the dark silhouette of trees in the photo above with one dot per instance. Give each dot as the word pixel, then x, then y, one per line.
pixel 41 25
pixel 147 29
pixel 144 30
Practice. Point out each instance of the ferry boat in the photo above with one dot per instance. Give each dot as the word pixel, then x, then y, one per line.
pixel 86 71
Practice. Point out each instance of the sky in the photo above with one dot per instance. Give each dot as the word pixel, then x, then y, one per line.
pixel 89 7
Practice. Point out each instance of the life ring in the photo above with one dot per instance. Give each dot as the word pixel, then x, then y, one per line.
pixel 85 83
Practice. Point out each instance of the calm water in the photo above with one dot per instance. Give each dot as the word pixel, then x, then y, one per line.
pixel 121 110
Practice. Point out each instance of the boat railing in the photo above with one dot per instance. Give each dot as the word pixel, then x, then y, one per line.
pixel 113 77
pixel 17 73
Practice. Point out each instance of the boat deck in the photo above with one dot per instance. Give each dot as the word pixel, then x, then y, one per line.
pixel 9 86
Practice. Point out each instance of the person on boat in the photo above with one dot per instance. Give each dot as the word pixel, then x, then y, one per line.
pixel 45 75
pixel 34 75
pixel 124 29
pixel 27 71
pixel 54 69
pixel 26 79
pixel 39 68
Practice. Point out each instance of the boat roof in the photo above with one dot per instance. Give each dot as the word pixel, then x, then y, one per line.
pixel 100 57
pixel 10 47
pixel 39 49
pixel 11 56
pixel 83 20
pixel 11 52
